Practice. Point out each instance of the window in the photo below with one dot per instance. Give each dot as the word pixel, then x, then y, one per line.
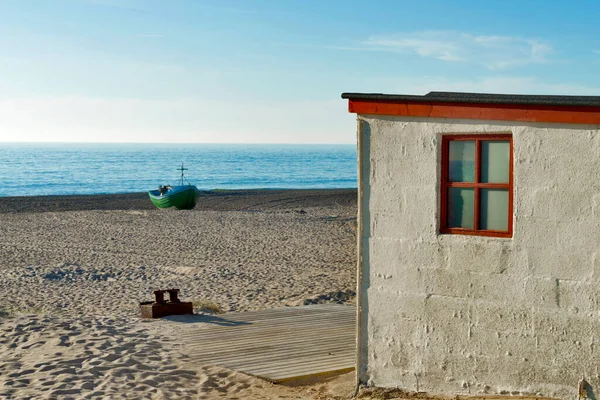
pixel 477 185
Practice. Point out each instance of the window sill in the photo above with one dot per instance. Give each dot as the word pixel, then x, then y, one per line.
pixel 458 231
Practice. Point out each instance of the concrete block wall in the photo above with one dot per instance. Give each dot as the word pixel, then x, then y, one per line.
pixel 468 314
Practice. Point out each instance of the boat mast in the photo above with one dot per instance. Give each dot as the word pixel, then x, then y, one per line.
pixel 182 169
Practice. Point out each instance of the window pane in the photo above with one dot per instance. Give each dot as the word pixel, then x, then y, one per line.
pixel 494 209
pixel 460 208
pixel 495 160
pixel 462 161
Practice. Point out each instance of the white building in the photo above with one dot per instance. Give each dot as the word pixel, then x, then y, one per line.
pixel 479 242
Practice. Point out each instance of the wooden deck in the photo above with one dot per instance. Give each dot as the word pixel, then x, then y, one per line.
pixel 278 344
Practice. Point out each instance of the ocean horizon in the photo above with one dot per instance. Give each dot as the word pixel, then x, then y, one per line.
pixel 44 168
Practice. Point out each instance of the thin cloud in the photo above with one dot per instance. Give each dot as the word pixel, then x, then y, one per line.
pixel 493 52
pixel 149 35
pixel 229 9
pixel 122 5
pixel 239 10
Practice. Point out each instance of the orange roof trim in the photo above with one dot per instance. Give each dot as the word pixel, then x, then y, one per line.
pixel 531 109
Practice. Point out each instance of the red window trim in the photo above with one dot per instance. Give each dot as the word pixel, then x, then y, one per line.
pixel 445 185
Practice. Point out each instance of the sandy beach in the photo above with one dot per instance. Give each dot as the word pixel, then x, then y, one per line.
pixel 74 268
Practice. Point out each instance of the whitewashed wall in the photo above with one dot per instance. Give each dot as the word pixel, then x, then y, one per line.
pixel 465 314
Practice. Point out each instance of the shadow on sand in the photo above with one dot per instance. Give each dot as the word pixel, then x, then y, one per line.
pixel 204 318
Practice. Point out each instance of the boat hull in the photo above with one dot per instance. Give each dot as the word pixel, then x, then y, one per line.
pixel 180 197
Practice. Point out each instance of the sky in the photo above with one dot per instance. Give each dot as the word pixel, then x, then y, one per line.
pixel 270 71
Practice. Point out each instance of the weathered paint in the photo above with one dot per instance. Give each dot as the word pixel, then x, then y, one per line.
pixel 468 314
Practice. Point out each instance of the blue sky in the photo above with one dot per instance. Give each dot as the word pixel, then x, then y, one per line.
pixel 269 71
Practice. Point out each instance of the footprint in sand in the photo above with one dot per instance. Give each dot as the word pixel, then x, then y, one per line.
pixel 87 386
pixel 64 392
pixel 110 357
pixel 33 345
pixel 47 368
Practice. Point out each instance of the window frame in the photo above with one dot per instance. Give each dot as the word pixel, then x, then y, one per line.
pixel 476 185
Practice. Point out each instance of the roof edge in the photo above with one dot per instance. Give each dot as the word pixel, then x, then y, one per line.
pixel 479 98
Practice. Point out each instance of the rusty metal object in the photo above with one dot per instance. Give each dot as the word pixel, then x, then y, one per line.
pixel 162 308
pixel 173 295
pixel 159 296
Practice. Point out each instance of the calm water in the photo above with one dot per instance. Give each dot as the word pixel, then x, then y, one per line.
pixel 75 168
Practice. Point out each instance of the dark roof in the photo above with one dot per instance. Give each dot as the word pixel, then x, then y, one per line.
pixel 479 98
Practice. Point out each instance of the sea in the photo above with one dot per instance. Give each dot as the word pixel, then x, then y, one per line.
pixel 37 169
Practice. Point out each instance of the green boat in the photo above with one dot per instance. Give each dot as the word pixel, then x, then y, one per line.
pixel 182 197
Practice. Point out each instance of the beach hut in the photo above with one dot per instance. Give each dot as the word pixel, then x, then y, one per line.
pixel 479 243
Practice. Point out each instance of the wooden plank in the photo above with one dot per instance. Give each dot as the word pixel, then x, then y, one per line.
pixel 282 319
pixel 198 351
pixel 271 352
pixel 228 342
pixel 281 375
pixel 259 334
pixel 275 313
pixel 307 324
pixel 250 351
pixel 285 318
pixel 320 326
pixel 327 370
pixel 325 365
pixel 267 345
pixel 298 370
pixel 278 344
pixel 260 355
pixel 251 347
pixel 298 361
